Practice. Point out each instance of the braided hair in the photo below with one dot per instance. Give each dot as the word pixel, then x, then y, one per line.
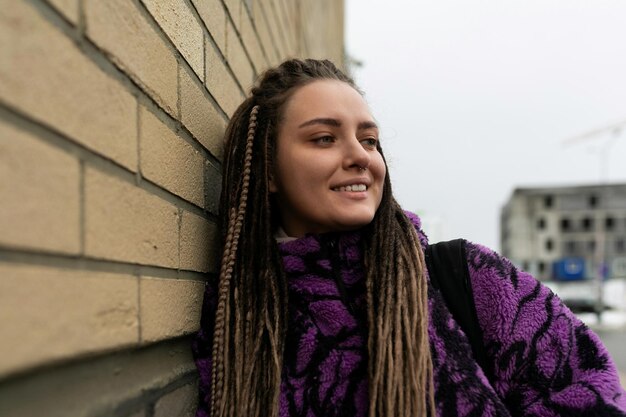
pixel 251 316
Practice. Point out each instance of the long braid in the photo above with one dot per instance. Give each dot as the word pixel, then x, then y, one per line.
pixel 251 317
pixel 400 365
pixel 219 379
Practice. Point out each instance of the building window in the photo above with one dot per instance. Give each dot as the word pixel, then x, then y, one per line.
pixel 566 225
pixel 541 223
pixel 587 224
pixel 593 201
pixel 542 267
pixel 570 247
pixel 609 223
pixel 525 265
pixel 591 245
pixel 620 246
pixel 549 245
pixel 548 201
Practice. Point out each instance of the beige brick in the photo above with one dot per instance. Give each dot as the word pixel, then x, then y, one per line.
pixel 291 16
pixel 96 386
pixel 68 8
pixel 181 26
pixel 251 42
pixel 214 16
pixel 221 83
pixel 169 161
pixel 198 244
pixel 283 25
pixel 271 49
pixel 255 12
pixel 200 116
pixel 275 28
pixel 39 191
pixel 323 30
pixel 44 74
pixel 290 12
pixel 304 26
pixel 234 7
pixel 119 28
pixel 237 59
pixel 126 223
pixel 169 307
pixel 50 314
pixel 179 403
pixel 212 187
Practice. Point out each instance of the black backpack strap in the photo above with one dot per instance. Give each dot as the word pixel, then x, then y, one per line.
pixel 448 272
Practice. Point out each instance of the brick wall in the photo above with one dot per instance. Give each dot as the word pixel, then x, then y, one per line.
pixel 111 119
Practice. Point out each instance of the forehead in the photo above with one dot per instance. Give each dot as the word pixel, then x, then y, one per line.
pixel 326 98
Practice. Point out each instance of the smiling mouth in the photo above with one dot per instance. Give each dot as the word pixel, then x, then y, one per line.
pixel 351 188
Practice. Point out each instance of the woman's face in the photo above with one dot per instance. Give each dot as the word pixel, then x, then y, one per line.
pixel 328 174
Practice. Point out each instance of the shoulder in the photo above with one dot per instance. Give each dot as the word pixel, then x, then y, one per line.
pixel 537 343
pixel 508 301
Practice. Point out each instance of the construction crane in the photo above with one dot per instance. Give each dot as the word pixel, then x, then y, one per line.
pixel 614 131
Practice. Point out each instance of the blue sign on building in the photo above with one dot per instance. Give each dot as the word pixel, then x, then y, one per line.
pixel 569 269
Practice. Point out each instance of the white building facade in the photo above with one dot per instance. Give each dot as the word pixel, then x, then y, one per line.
pixel 552 231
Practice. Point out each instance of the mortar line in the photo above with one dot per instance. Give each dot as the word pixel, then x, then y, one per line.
pixel 256 35
pixel 138 175
pixel 180 222
pixel 283 23
pixel 99 58
pixel 229 18
pixel 204 67
pixel 100 162
pixel 81 198
pixel 35 257
pixel 139 324
pixel 178 91
pixel 204 44
pixel 179 56
pixel 269 30
pixel 82 20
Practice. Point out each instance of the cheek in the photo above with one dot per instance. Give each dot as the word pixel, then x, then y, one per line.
pixel 378 168
pixel 294 172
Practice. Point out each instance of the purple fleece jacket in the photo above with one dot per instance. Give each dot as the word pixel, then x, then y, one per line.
pixel 545 362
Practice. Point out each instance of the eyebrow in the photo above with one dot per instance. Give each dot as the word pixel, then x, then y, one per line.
pixel 336 123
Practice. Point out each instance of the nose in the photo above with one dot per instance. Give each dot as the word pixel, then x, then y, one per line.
pixel 355 156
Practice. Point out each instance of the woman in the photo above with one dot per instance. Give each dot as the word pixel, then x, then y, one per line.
pixel 323 306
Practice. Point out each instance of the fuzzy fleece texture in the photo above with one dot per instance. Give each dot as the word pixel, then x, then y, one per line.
pixel 545 362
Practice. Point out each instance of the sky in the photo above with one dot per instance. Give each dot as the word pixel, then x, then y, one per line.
pixel 476 98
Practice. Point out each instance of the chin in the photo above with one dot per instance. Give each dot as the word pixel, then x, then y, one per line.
pixel 356 221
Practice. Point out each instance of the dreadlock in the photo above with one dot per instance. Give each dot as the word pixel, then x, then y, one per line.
pixel 251 316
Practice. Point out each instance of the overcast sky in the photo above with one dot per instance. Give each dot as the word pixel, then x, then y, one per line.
pixel 476 98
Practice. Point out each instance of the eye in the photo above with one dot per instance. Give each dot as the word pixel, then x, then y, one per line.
pixel 324 140
pixel 369 143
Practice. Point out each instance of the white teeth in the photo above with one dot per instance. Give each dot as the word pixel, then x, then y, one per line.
pixel 354 187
